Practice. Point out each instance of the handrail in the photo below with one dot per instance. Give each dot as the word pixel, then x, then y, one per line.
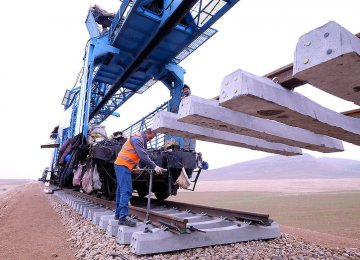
pixel 145 123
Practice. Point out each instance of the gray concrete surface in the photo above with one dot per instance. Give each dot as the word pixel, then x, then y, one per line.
pixel 97 216
pixel 79 206
pixel 328 58
pixel 258 96
pixel 166 122
pixel 207 113
pixel 124 234
pixel 92 211
pixel 104 220
pixel 112 227
pixel 159 241
pixel 87 209
pixel 83 207
pixel 154 240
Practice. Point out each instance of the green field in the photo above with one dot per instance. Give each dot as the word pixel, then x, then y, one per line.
pixel 336 213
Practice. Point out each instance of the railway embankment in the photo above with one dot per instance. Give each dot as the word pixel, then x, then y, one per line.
pixel 41 226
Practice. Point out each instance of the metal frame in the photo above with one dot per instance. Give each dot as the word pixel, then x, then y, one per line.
pixel 145 123
pixel 106 105
pixel 117 66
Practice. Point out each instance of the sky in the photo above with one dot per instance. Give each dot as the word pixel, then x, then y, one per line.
pixel 42 49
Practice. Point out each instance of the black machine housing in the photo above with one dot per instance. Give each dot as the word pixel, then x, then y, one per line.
pixel 164 185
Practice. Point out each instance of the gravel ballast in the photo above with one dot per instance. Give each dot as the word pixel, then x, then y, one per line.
pixel 91 242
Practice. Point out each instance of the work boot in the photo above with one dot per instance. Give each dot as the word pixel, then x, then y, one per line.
pixel 127 221
pixel 116 217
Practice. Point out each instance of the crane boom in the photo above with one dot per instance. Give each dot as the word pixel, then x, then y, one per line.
pixel 139 45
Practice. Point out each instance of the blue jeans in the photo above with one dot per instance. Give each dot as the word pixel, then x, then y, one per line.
pixel 123 190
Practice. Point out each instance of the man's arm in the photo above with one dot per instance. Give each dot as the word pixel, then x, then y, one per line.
pixel 141 152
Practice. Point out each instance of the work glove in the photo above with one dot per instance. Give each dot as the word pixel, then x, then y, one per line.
pixel 158 169
pixel 136 169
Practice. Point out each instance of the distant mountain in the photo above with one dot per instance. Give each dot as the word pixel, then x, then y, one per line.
pixel 282 167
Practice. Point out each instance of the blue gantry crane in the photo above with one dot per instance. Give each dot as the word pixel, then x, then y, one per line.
pixel 129 51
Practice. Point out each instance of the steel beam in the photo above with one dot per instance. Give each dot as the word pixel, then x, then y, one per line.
pixel 329 59
pixel 165 28
pixel 352 113
pixel 284 76
pixel 207 113
pixel 166 122
pixel 258 96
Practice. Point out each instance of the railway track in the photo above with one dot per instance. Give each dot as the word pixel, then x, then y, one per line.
pixel 171 226
pixel 139 209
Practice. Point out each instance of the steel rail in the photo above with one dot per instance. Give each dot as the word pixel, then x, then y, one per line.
pixel 234 215
pixel 174 224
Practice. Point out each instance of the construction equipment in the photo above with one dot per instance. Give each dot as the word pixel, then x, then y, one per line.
pixel 129 51
pixel 151 172
pixel 149 194
pixel 143 43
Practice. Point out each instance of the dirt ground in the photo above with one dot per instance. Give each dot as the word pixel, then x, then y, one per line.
pixel 325 211
pixel 319 238
pixel 9 184
pixel 29 227
pixel 281 185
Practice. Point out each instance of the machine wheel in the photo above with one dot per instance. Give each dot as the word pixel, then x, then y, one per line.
pixel 141 188
pixel 162 195
pixel 142 193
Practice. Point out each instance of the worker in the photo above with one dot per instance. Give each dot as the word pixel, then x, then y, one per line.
pixel 127 160
pixel 188 144
pixel 186 91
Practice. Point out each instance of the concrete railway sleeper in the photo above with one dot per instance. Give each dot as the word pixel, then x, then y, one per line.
pixel 172 226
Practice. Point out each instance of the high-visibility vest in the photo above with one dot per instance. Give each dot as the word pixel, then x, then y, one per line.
pixel 128 156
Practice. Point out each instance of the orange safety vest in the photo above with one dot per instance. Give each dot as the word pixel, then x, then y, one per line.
pixel 128 156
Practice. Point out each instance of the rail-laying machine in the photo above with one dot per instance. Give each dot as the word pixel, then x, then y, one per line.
pixel 143 43
pixel 127 53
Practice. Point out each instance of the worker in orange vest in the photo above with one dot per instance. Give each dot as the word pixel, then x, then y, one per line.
pixel 133 150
